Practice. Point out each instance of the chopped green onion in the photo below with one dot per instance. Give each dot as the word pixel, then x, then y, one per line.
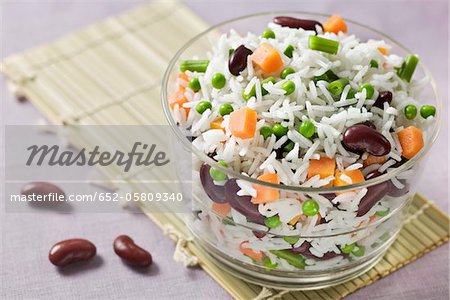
pixel 289 146
pixel 230 51
pixel 374 64
pixel 348 248
pixel 296 260
pixel 194 65
pixel 331 75
pixel 359 251
pixel 252 93
pixel 407 69
pixel 269 264
pixel 291 239
pixel 322 44
pixel 288 51
pixel 272 222
pixel 336 87
pixel 382 213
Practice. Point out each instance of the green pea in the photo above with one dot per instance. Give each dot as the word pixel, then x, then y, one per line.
pixel 265 131
pixel 218 80
pixel 216 174
pixel 225 109
pixel 382 213
pixel 267 80
pixel 268 34
pixel 288 86
pixel 348 248
pixel 410 111
pixel 427 111
pixel 289 51
pixel 272 222
pixel 296 260
pixel 310 208
pixel 194 84
pixel 268 264
pixel 369 90
pixel 286 72
pixel 230 51
pixel 291 239
pixel 307 129
pixel 360 251
pixel 289 146
pixel 202 106
pixel 374 64
pixel 252 93
pixel 279 130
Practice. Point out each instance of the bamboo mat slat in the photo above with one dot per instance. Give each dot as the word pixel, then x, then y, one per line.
pixel 109 74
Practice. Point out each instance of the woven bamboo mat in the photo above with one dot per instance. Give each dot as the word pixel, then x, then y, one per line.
pixel 110 72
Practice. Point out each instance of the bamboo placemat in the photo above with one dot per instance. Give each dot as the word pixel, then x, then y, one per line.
pixel 109 74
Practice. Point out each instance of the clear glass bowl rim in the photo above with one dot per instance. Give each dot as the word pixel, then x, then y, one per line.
pixel 292 188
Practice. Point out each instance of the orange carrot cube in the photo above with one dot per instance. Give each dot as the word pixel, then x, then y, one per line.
pixel 267 59
pixel 335 24
pixel 372 159
pixel 411 140
pixel 178 98
pixel 324 167
pixel 266 194
pixel 348 177
pixel 242 123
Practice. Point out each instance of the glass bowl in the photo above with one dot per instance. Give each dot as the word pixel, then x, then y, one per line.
pixel 300 255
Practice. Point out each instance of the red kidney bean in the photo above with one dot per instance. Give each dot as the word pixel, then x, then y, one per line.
pixel 70 251
pixel 242 204
pixel 259 234
pixel 215 192
pixel 374 194
pixel 296 23
pixel 396 192
pixel 238 60
pixel 369 124
pixel 383 97
pixel 304 250
pixel 131 253
pixel 361 138
pixel 41 188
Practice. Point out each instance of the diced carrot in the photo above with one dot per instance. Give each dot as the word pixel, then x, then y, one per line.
pixel 266 194
pixel 411 140
pixel 324 167
pixel 267 59
pixel 335 24
pixel 258 256
pixel 178 98
pixel 222 209
pixel 383 50
pixel 344 178
pixel 243 123
pixel 372 159
pixel 217 124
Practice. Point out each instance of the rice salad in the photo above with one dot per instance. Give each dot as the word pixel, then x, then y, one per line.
pixel 301 104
